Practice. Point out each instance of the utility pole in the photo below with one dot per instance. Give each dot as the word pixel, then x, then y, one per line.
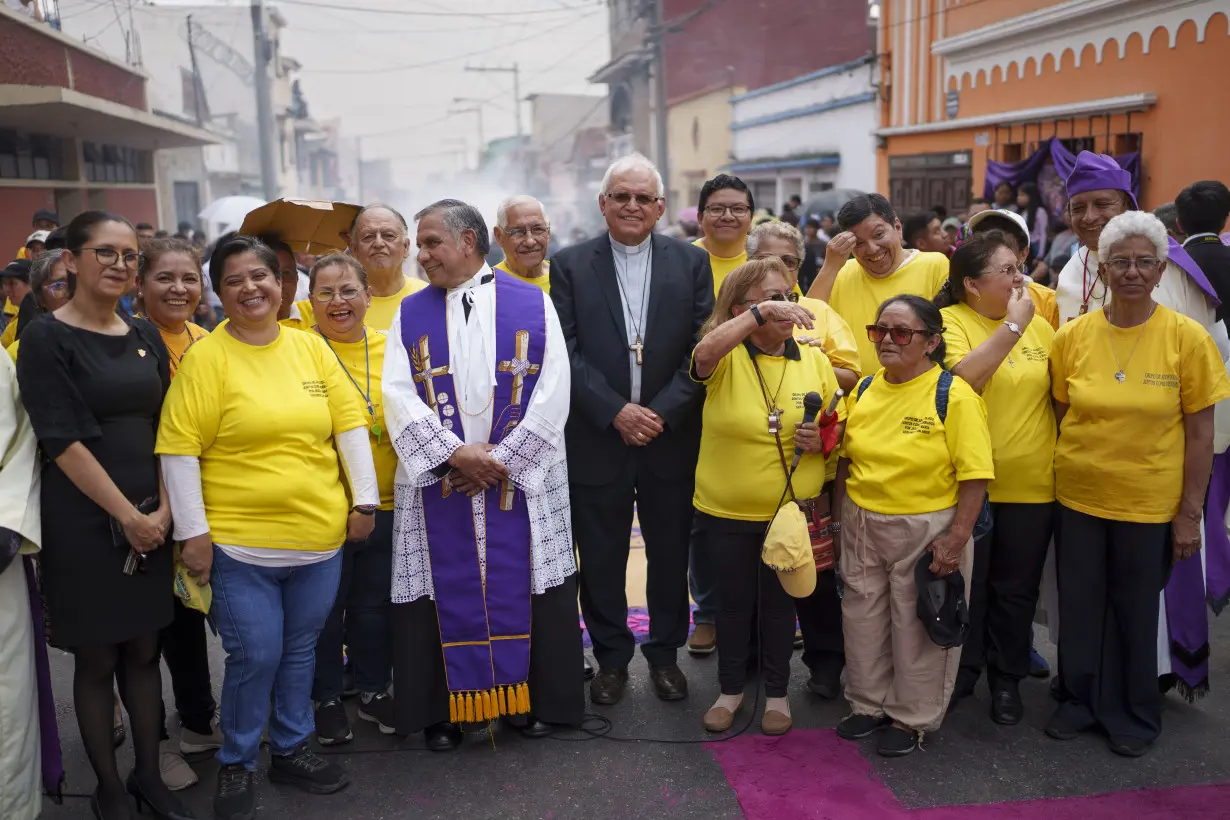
pixel 515 71
pixel 358 150
pixel 265 123
pixel 198 88
pixel 657 34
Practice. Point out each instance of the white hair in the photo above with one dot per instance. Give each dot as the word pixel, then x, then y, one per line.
pixel 1131 224
pixel 632 162
pixel 501 212
pixel 779 230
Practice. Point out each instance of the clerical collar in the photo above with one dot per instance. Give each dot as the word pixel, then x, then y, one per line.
pixel 791 351
pixel 482 277
pixel 632 250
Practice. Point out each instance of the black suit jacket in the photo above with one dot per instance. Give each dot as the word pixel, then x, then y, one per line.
pixel 587 299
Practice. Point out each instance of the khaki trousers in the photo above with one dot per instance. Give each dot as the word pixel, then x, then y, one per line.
pixel 892 666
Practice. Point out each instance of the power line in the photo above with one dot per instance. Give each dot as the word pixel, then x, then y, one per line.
pixel 451 58
pixel 412 13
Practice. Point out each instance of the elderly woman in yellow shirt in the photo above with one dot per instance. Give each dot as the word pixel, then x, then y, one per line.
pixel 819 613
pixel 911 482
pixel 250 439
pixel 998 344
pixel 1134 386
pixel 756 377
pixel 340 298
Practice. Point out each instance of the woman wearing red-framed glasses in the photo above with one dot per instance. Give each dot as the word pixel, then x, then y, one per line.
pixel 911 481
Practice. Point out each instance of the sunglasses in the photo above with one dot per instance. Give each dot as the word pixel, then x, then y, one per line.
pixel 623 198
pixel 773 297
pixel 899 335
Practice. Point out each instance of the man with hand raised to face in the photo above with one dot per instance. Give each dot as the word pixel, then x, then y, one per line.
pixel 631 305
pixel 881 267
pixel 476 393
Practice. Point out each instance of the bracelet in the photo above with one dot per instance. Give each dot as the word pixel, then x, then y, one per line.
pixel 760 320
pixel 365 509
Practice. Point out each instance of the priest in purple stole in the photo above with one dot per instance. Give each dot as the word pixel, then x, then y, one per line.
pixel 476 394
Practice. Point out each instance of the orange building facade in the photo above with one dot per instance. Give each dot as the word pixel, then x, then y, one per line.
pixel 967 81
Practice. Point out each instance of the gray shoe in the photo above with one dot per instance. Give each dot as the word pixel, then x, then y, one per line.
pixel 191 743
pixel 177 775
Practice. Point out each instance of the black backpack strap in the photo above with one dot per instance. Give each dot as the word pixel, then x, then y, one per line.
pixel 942 389
pixel 863 385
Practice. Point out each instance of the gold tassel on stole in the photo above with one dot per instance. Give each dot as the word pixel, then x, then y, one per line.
pixel 452 708
pixel 503 704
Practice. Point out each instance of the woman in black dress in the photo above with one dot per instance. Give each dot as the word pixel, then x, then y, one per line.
pixel 93 384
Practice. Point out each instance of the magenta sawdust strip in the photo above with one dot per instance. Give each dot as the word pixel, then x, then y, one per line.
pixel 814 775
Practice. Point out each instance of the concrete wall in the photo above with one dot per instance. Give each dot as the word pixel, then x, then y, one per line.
pixel 699 138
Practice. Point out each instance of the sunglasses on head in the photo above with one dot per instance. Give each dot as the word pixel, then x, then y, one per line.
pixel 899 335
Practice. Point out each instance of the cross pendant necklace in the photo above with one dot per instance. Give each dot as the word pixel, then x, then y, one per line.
pixel 1120 374
pixel 638 349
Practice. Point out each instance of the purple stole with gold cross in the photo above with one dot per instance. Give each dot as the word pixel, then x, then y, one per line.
pixel 484 622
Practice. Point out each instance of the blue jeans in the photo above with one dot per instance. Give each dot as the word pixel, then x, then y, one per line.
pixel 269 618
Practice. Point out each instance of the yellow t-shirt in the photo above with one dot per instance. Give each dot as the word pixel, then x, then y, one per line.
pixel 13 350
pixel 543 281
pixel 1018 400
pixel 262 421
pixel 1044 303
pixel 903 459
pixel 721 265
pixel 739 472
pixel 840 345
pixel 178 343
pixel 10 332
pixel 383 308
pixel 857 295
pixel 306 319
pixel 363 365
pixel 1121 446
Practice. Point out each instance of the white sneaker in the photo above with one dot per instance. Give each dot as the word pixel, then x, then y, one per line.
pixel 176 773
pixel 191 743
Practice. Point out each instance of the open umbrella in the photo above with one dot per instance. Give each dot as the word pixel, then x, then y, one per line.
pixel 307 225
pixel 827 202
pixel 228 211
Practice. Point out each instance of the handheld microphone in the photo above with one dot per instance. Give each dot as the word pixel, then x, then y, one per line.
pixel 813 403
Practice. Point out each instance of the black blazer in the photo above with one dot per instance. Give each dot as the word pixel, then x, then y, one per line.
pixel 586 297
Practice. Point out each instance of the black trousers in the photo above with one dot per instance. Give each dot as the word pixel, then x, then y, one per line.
pixel 1008 565
pixel 1110 576
pixel 824 646
pixel 360 617
pixel 602 526
pixel 557 682
pixel 749 593
pixel 187 655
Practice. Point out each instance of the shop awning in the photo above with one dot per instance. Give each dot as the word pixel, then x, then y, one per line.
pixel 63 112
pixel 783 163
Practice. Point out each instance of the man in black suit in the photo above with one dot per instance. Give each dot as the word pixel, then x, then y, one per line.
pixel 631 305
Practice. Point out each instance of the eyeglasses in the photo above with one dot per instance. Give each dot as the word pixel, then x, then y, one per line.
pixel 737 211
pixel 537 231
pixel 57 288
pixel 109 256
pixel 899 335
pixel 773 297
pixel 1007 270
pixel 1144 264
pixel 348 294
pixel 623 198
pixel 792 263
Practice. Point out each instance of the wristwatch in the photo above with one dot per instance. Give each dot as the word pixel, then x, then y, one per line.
pixel 365 509
pixel 1015 328
pixel 760 320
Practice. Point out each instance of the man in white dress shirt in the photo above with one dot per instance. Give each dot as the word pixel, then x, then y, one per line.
pixel 476 395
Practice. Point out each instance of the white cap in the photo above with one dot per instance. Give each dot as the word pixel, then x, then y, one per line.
pixel 38 236
pixel 1011 216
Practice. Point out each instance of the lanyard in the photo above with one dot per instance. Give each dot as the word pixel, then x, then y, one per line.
pixel 375 428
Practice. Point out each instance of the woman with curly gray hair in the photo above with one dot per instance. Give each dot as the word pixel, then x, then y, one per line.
pixel 1134 385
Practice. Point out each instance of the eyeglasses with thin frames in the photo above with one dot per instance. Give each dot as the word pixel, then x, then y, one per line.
pixel 792 263
pixel 536 231
pixel 623 198
pixel 109 256
pixel 1144 264
pixel 325 296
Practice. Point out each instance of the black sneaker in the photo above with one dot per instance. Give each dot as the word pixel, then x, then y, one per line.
pixel 234 798
pixel 378 709
pixel 332 725
pixel 897 742
pixel 856 727
pixel 308 771
pixel 1060 729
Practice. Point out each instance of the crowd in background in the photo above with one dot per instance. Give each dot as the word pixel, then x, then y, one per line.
pixel 1006 402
